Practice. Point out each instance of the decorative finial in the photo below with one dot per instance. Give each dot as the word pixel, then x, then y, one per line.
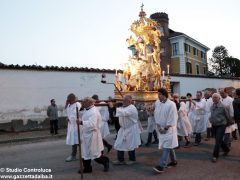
pixel 142 7
pixel 142 13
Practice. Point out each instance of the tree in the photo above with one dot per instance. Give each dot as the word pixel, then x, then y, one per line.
pixel 217 61
pixel 232 66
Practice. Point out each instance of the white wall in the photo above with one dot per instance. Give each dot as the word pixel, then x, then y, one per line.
pixel 26 94
pixel 192 84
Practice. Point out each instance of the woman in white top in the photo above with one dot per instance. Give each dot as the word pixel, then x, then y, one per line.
pixel 190 109
pixel 184 127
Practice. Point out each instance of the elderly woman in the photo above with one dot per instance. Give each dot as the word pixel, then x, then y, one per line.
pixel 184 127
pixel 219 119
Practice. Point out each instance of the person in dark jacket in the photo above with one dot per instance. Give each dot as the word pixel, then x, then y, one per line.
pixel 236 108
pixel 52 113
pixel 112 113
pixel 219 119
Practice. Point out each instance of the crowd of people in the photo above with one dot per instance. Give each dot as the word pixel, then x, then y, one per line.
pixel 216 115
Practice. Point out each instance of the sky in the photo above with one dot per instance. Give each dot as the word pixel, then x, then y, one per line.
pixel 93 33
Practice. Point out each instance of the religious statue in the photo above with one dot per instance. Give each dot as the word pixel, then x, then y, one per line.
pixel 141 75
pixel 143 71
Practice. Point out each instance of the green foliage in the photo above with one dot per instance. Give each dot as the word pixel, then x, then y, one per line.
pixel 222 65
pixel 217 60
pixel 232 66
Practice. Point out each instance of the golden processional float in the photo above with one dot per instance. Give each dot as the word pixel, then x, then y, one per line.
pixel 141 76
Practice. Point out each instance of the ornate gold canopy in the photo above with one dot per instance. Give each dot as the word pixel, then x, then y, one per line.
pixel 142 72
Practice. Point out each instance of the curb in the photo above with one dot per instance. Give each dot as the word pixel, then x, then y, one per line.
pixel 32 139
pixel 39 138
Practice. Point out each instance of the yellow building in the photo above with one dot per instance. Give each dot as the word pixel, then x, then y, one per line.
pixel 188 55
pixel 184 54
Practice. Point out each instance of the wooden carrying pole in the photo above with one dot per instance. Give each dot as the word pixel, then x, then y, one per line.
pixel 79 142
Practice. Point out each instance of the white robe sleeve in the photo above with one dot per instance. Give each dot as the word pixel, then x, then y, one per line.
pixel 200 105
pixel 231 111
pixel 90 123
pixel 71 111
pixel 126 112
pixel 172 116
pixel 104 113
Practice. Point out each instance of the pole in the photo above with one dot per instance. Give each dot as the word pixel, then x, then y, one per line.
pixel 79 142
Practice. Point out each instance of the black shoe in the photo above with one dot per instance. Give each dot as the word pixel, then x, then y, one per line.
pixel 187 144
pixel 172 164
pixel 225 153
pixel 79 171
pixel 109 148
pixel 147 144
pixel 158 169
pixel 178 147
pixel 235 138
pixel 196 144
pixel 86 171
pixel 106 166
pixel 180 138
pixel 155 142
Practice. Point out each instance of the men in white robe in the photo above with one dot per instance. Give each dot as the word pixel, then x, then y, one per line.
pixel 190 109
pixel 184 127
pixel 209 102
pixel 72 130
pixel 166 117
pixel 104 125
pixel 91 139
pixel 128 138
pixel 199 113
pixel 227 102
pixel 151 128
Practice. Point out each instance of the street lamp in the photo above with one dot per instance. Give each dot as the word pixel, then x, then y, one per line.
pixel 103 80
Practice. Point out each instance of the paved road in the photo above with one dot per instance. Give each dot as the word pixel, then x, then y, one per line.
pixel 193 163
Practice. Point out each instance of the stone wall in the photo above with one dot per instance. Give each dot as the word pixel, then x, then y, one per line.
pixel 18 125
pixel 25 94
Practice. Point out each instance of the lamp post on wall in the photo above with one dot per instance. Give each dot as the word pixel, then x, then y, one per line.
pixel 103 80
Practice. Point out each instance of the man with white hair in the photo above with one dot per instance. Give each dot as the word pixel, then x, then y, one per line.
pixel 91 139
pixel 227 102
pixel 128 137
pixel 219 118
